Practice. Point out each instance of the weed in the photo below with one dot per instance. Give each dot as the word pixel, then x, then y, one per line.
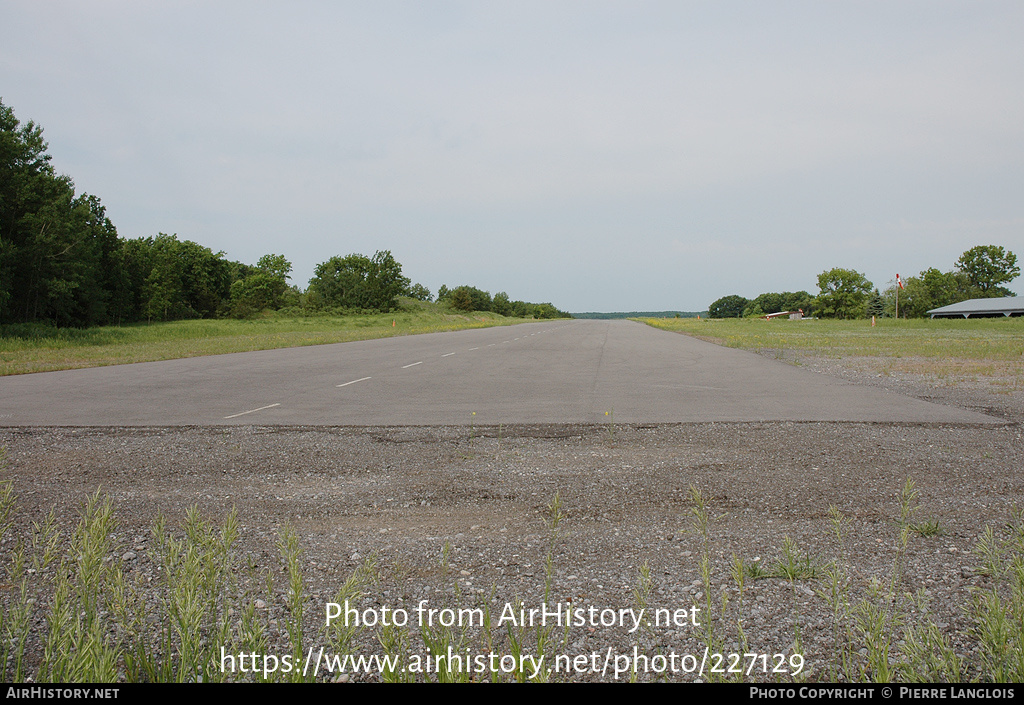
pixel 700 518
pixel 545 643
pixel 928 656
pixel 395 642
pixel 77 645
pixel 794 565
pixel 927 527
pixel 341 633
pixel 288 544
pixel 756 570
pixel 740 572
pixel 836 596
pixel 98 627
pixel 876 621
pixel 472 433
pixel 641 603
pixel 642 592
pixel 880 617
pixel 998 612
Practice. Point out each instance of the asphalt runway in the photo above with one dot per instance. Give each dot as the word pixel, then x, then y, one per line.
pixel 567 371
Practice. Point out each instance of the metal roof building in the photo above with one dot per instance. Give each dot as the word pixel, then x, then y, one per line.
pixel 982 308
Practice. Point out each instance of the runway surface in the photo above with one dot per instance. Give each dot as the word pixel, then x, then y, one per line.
pixel 565 371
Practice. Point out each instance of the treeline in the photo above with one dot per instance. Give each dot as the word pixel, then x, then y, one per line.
pixel 62 262
pixel 736 306
pixel 979 273
pixel 604 316
pixel 59 253
pixel 469 298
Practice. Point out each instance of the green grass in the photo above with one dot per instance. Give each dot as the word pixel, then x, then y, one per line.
pixel 37 348
pixel 981 339
pixel 992 347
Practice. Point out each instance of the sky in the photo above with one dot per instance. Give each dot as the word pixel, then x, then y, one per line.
pixel 601 156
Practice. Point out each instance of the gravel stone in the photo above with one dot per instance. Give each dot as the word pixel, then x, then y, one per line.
pixel 411 496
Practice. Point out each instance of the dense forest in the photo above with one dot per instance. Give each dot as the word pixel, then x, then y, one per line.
pixel 62 262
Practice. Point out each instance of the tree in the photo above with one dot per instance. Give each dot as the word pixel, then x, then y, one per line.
pixel 945 288
pixel 57 251
pixel 206 278
pixel 773 302
pixel 461 300
pixel 914 299
pixel 172 279
pixel 728 307
pixel 419 292
pixel 386 282
pixel 260 288
pixel 547 310
pixel 844 294
pixel 468 298
pixel 257 292
pixel 479 300
pixel 276 266
pixel 875 305
pixel 25 174
pixel 340 281
pixel 359 282
pixel 930 289
pixel 754 310
pixel 501 304
pixel 987 267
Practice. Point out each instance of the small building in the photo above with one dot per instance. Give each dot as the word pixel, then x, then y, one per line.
pixel 792 315
pixel 981 308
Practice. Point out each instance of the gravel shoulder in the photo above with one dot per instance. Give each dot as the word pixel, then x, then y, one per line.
pixel 402 494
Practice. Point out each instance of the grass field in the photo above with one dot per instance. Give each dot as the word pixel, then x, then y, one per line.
pixel 988 347
pixel 25 349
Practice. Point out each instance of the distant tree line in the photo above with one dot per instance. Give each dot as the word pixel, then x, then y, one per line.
pixel 736 306
pixel 614 315
pixel 469 298
pixel 62 262
pixel 980 273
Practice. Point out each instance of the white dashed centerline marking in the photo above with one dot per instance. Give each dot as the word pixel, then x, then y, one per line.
pixel 474 348
pixel 361 379
pixel 405 367
pixel 253 411
pixel 447 354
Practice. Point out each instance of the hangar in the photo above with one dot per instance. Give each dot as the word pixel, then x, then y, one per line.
pixel 981 308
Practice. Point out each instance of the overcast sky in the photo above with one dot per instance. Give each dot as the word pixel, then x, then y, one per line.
pixel 603 156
